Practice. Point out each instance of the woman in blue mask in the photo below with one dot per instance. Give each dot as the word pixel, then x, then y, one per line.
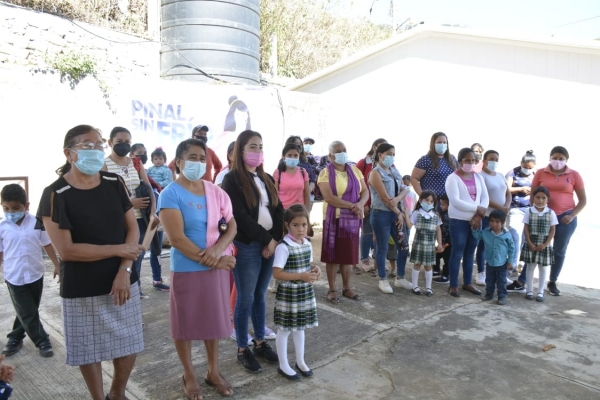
pixel 345 193
pixel 198 218
pixel 89 219
pixel 432 170
pixel 387 216
pixel 118 162
pixel 291 180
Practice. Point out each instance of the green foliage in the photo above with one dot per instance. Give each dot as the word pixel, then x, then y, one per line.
pixel 73 65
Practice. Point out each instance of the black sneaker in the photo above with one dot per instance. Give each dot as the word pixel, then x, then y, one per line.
pixel 12 347
pixel 46 349
pixel 515 287
pixel 487 297
pixel 501 301
pixel 436 273
pixel 442 280
pixel 265 352
pixel 246 358
pixel 551 288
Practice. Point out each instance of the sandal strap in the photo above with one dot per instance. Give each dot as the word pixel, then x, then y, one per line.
pixel 416 289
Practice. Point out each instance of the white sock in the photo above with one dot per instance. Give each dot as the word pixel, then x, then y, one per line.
pixel 530 270
pixel 281 344
pixel 415 277
pixel 543 277
pixel 428 278
pixel 298 337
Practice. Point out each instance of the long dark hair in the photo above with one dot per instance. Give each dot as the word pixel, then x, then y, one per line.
pixel 238 167
pixel 433 155
pixel 382 148
pixel 184 146
pixel 292 140
pixel 463 153
pixel 71 140
pixel 376 143
pixel 239 105
pixel 118 129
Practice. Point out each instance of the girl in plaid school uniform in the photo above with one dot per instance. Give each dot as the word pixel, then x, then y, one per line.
pixel 295 305
pixel 427 224
pixel 540 225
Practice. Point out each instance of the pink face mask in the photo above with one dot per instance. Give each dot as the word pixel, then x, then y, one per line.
pixel 557 165
pixel 467 167
pixel 253 160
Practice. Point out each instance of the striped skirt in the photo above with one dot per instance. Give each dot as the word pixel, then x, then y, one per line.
pixel 295 306
pixel 96 330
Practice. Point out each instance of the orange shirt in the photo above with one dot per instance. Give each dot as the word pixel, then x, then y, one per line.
pixel 561 188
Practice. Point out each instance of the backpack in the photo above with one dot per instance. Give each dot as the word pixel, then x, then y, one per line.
pixel 281 168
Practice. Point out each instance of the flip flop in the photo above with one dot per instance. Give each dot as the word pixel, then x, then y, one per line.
pixel 351 295
pixel 222 389
pixel 333 300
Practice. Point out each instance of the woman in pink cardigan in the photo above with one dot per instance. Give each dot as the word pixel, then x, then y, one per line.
pixel 198 219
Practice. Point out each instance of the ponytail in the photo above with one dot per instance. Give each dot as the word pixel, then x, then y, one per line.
pixel 64 169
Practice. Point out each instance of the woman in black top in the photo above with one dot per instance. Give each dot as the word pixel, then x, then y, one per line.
pixel 259 217
pixel 89 219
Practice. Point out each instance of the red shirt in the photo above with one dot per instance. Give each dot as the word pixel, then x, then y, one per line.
pixel 561 188
pixel 365 167
pixel 211 161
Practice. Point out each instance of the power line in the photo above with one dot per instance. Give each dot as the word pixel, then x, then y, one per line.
pixel 576 22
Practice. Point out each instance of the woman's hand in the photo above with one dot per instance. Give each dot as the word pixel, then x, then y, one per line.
pixel 526 189
pixel 476 222
pixel 358 210
pixel 269 249
pixel 56 273
pixel 141 202
pixel 226 262
pixel 366 210
pixel 130 251
pixel 481 211
pixel 121 288
pixel 210 256
pixel 309 277
pixel 566 220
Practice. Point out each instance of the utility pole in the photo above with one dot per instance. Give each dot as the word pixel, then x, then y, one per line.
pixel 395 16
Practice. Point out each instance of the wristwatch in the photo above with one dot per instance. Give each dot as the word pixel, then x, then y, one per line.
pixel 128 269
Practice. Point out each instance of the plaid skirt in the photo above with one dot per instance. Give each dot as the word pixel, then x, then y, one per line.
pixel 544 257
pixel 295 306
pixel 96 330
pixel 423 248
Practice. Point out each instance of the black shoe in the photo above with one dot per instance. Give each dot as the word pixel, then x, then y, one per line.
pixel 436 273
pixel 487 297
pixel 246 358
pixel 265 352
pixel 553 289
pixel 501 301
pixel 443 280
pixel 46 349
pixel 515 287
pixel 12 347
pixel 306 374
pixel 294 377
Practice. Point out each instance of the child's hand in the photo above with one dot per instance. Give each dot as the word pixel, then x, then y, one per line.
pixel 316 269
pixel 509 266
pixel 440 248
pixel 56 273
pixel 532 247
pixel 541 247
pixel 7 372
pixel 309 277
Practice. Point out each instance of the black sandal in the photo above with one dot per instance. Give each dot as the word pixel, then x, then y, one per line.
pixel 417 290
pixel 351 295
pixel 333 300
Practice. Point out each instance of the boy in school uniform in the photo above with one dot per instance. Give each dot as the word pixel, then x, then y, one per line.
pixel 21 255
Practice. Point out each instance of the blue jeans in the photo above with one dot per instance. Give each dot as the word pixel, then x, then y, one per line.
pixel 252 274
pixel 384 227
pixel 480 256
pixel 155 259
pixel 366 238
pixel 463 246
pixel 138 263
pixel 562 237
pixel 495 276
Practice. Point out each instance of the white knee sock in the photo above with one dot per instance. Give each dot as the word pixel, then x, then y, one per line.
pixel 543 277
pixel 415 277
pixel 298 337
pixel 530 270
pixel 428 278
pixel 281 344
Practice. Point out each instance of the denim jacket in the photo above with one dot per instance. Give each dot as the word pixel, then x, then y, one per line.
pixel 499 249
pixel 388 183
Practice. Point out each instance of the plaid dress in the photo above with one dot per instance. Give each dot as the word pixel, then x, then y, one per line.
pixel 539 228
pixel 295 303
pixel 423 247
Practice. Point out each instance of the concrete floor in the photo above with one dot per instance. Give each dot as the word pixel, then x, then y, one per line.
pixel 386 346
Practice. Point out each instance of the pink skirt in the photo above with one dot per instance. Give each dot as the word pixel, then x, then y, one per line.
pixel 199 305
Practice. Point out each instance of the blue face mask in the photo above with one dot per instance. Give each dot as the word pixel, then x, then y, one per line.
pixel 426 206
pixel 89 162
pixel 525 171
pixel 307 148
pixel 193 170
pixel 14 217
pixel 388 161
pixel 291 162
pixel 441 148
pixel 492 165
pixel 341 158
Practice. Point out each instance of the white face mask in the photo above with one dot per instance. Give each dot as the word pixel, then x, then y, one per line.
pixel 492 165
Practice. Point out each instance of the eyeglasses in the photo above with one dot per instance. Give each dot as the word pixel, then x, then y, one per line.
pixel 91 146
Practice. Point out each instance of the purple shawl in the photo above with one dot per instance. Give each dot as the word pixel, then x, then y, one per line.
pixel 349 223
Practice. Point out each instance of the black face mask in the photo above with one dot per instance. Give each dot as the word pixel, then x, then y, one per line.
pixel 202 138
pixel 143 158
pixel 122 149
pixel 478 156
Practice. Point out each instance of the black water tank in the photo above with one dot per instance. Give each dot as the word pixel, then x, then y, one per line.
pixel 221 38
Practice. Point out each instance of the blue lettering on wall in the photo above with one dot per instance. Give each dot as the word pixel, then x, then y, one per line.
pixel 163 119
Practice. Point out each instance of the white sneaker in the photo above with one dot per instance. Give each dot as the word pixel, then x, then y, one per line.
pixel 273 286
pixel 402 283
pixel 269 334
pixel 234 337
pixel 385 287
pixel 480 280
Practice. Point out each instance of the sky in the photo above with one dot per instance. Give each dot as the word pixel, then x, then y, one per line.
pixel 527 17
